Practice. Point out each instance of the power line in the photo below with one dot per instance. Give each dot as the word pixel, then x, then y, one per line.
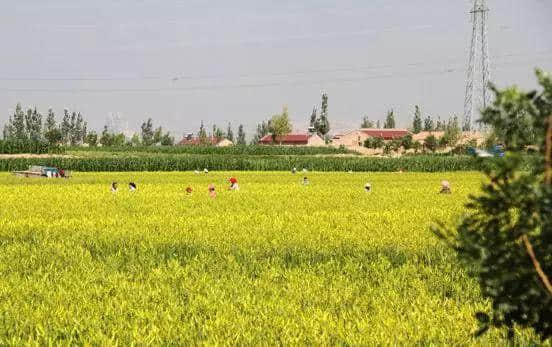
pixel 271 74
pixel 440 71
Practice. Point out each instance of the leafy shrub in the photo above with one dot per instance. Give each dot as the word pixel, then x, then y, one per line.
pixel 506 236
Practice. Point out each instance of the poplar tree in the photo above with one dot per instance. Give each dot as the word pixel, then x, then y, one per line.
pixel 241 136
pixel 417 121
pixel 230 133
pixel 389 120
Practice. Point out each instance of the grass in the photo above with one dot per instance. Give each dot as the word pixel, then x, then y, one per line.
pixel 275 263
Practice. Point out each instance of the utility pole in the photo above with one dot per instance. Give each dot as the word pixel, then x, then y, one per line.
pixel 477 81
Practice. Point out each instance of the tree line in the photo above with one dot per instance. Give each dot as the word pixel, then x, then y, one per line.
pixel 31 126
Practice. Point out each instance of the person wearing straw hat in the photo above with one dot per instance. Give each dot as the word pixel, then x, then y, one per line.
pixel 445 187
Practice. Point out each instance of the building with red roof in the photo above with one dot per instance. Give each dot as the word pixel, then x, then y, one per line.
pixel 356 138
pixel 293 140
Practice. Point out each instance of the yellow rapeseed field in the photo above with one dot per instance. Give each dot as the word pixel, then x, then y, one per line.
pixel 276 262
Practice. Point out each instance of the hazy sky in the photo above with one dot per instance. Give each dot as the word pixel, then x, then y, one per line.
pixel 183 61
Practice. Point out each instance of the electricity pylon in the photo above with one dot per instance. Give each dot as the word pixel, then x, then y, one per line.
pixel 477 83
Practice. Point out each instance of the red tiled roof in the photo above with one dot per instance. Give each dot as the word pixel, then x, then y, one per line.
pixel 295 139
pixel 386 134
pixel 197 141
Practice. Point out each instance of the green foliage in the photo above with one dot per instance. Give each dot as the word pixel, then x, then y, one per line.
pixel 156 162
pixel 440 125
pixel 147 132
pixel 33 125
pixel 135 140
pixel 262 131
pixel 208 150
pixel 313 117
pixel 240 141
pixel 367 123
pixel 66 127
pixel 428 124
pixel 19 132
pixel 157 135
pixel 452 133
pixel 279 125
pixel 511 118
pixel 92 139
pixel 167 140
pixel 109 139
pixel 417 145
pixel 322 124
pixel 52 133
pixel 508 228
pixel 431 143
pixel 374 142
pixel 417 121
pixel 230 133
pixel 389 120
pixel 202 134
pixel 406 141
pixel 28 146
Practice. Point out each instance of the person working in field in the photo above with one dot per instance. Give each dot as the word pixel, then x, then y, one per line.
pixel 445 187
pixel 368 187
pixel 234 184
pixel 114 187
pixel 212 192
pixel 305 181
pixel 189 190
pixel 132 186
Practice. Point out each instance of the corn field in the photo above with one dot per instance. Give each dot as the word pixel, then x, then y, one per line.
pixel 34 147
pixel 230 150
pixel 276 262
pixel 126 162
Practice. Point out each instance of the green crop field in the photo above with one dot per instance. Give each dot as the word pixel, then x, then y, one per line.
pixel 274 263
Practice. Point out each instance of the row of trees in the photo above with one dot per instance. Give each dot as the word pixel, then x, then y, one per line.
pixel 279 124
pixel 29 126
pixel 450 138
pixel 219 133
pixel 419 123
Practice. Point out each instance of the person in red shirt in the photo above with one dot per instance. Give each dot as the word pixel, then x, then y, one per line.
pixel 234 184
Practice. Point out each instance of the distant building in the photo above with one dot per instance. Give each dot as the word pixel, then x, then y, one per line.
pixel 356 138
pixel 191 140
pixel 293 140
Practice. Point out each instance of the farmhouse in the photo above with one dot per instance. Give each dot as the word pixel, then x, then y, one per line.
pixel 210 140
pixel 294 140
pixel 356 138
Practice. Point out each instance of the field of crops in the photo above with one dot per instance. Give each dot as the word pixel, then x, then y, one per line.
pixel 187 162
pixel 276 262
pixel 230 150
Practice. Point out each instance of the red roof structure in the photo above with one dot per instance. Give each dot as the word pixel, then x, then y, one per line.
pixel 386 134
pixel 290 139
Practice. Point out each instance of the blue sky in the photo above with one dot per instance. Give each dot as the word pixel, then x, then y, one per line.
pixel 181 62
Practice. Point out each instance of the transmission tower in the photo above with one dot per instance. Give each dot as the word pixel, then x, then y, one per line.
pixel 477 83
